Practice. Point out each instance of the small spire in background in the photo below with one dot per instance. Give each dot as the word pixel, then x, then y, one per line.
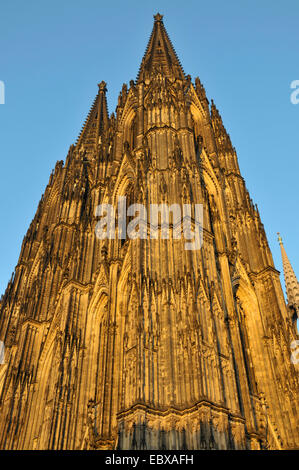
pixel 290 279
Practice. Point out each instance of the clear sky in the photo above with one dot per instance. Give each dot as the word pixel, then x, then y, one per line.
pixel 54 53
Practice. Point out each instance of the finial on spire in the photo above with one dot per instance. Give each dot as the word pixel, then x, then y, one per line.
pixel 158 17
pixel 279 238
pixel 102 86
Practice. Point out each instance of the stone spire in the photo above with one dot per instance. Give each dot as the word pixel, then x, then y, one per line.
pixel 97 120
pixel 291 282
pixel 160 54
pixel 221 135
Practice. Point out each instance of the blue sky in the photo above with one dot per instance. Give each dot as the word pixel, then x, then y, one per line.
pixel 53 54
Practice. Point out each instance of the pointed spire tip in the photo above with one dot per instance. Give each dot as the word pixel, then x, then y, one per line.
pixel 279 238
pixel 158 17
pixel 102 86
pixel 160 54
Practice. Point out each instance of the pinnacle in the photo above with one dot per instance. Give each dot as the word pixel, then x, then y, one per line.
pixel 160 54
pixel 102 86
pixel 97 117
pixel 158 17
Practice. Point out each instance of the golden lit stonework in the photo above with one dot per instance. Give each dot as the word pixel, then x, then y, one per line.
pixel 140 343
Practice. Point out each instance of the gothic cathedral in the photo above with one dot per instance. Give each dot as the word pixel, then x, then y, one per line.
pixel 139 343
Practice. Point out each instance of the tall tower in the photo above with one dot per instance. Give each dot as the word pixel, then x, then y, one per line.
pixel 138 342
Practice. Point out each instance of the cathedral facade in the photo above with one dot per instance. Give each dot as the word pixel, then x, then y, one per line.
pixel 139 343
